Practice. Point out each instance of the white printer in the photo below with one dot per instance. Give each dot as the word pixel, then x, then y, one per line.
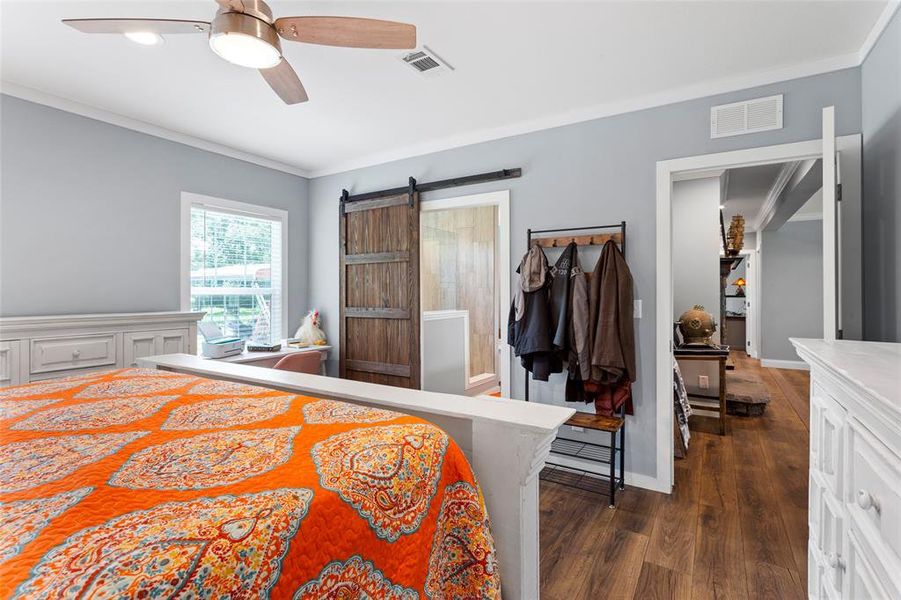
pixel 216 345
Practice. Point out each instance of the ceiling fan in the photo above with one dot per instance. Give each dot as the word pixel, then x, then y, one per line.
pixel 244 32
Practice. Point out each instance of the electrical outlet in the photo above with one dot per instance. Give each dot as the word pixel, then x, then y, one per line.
pixel 636 312
pixel 579 429
pixel 704 382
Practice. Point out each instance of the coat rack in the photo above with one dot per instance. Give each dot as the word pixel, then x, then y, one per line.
pixel 615 427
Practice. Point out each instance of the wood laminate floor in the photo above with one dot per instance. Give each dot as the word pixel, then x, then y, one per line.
pixel 734 527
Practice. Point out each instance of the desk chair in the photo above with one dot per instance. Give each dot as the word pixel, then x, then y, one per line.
pixel 300 362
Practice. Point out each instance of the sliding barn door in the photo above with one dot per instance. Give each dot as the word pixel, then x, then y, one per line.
pixel 380 291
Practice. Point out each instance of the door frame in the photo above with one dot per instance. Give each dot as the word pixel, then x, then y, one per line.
pixel 666 171
pixel 500 199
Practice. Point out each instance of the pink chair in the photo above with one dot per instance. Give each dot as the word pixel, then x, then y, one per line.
pixel 301 362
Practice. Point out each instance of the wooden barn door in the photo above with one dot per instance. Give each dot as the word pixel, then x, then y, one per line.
pixel 380 291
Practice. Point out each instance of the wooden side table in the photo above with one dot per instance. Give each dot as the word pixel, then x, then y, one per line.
pixel 709 353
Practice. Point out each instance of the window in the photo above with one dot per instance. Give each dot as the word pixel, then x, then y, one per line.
pixel 233 266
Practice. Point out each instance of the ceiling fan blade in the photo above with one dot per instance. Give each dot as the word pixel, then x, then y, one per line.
pixel 285 82
pixel 161 26
pixel 231 5
pixel 349 32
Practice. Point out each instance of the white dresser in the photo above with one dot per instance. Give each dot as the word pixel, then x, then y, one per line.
pixel 38 348
pixel 854 547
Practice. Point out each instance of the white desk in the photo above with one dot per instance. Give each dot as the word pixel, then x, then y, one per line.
pixel 268 359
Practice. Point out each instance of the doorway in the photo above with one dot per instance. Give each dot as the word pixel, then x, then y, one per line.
pixel 464 293
pixel 841 251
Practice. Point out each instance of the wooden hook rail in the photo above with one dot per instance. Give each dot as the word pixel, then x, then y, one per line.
pixel 581 240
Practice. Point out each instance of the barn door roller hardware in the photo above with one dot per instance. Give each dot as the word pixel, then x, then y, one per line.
pixel 412 186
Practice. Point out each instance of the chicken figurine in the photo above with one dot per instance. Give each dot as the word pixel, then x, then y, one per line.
pixel 309 332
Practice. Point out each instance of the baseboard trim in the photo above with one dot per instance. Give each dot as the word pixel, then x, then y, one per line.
pixel 771 363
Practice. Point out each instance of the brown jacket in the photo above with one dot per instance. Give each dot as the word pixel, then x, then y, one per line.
pixel 611 326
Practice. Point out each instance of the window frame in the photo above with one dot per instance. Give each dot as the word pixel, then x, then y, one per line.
pixel 189 200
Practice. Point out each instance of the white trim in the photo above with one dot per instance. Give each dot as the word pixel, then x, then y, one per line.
pixel 108 116
pixel 664 279
pixel 671 96
pixel 189 199
pixel 830 228
pixel 807 217
pixel 773 363
pixel 878 27
pixel 768 208
pixel 500 199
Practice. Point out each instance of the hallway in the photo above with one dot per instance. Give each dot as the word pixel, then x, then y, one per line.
pixel 734 527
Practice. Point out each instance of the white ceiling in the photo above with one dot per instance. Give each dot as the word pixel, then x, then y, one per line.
pixel 519 66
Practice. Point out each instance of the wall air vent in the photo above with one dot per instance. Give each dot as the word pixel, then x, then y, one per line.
pixel 749 116
pixel 426 63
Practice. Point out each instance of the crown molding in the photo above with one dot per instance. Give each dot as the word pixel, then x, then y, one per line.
pixel 107 116
pixel 878 27
pixel 692 92
pixel 772 198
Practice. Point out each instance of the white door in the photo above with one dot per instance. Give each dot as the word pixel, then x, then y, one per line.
pixel 831 231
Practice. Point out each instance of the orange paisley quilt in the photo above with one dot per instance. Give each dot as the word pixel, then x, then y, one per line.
pixel 148 484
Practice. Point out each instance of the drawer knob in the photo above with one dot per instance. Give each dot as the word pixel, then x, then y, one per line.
pixel 835 561
pixel 76 353
pixel 866 501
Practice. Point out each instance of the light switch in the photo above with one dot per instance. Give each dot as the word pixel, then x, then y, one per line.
pixel 637 309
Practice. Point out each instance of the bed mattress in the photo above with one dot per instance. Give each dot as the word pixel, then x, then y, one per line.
pixel 149 484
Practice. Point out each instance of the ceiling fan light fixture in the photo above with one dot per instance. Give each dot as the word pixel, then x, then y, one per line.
pixel 245 41
pixel 144 38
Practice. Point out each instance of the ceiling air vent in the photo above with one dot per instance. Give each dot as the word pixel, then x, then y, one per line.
pixel 750 116
pixel 426 63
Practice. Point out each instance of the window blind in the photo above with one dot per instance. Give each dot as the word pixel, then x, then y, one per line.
pixel 236 272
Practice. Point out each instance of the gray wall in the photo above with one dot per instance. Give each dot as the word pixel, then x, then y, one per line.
pixel 791 301
pixel 881 124
pixel 599 171
pixel 89 220
pixel 696 246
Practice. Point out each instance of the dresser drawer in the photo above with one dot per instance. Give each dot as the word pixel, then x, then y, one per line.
pixel 61 354
pixel 830 542
pixel 830 432
pixel 865 579
pixel 874 494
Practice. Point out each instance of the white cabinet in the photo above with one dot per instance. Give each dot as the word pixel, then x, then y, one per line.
pixel 854 548
pixel 38 348
pixel 139 344
pixel 9 363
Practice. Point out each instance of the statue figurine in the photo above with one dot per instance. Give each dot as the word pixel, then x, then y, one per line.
pixel 309 331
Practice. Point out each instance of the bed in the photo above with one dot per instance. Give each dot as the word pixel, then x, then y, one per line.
pixel 151 484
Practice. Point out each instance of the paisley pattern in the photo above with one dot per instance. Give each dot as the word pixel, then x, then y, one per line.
pixel 38 389
pixel 133 386
pixel 388 474
pixel 227 388
pixel 207 460
pixel 225 547
pixel 10 409
pixel 330 411
pixel 227 412
pixel 353 579
pixel 94 415
pixel 24 465
pixel 139 372
pixel 22 521
pixel 462 562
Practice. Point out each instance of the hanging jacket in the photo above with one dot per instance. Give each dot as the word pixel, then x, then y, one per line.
pixel 579 326
pixel 531 334
pixel 613 333
pixel 560 300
